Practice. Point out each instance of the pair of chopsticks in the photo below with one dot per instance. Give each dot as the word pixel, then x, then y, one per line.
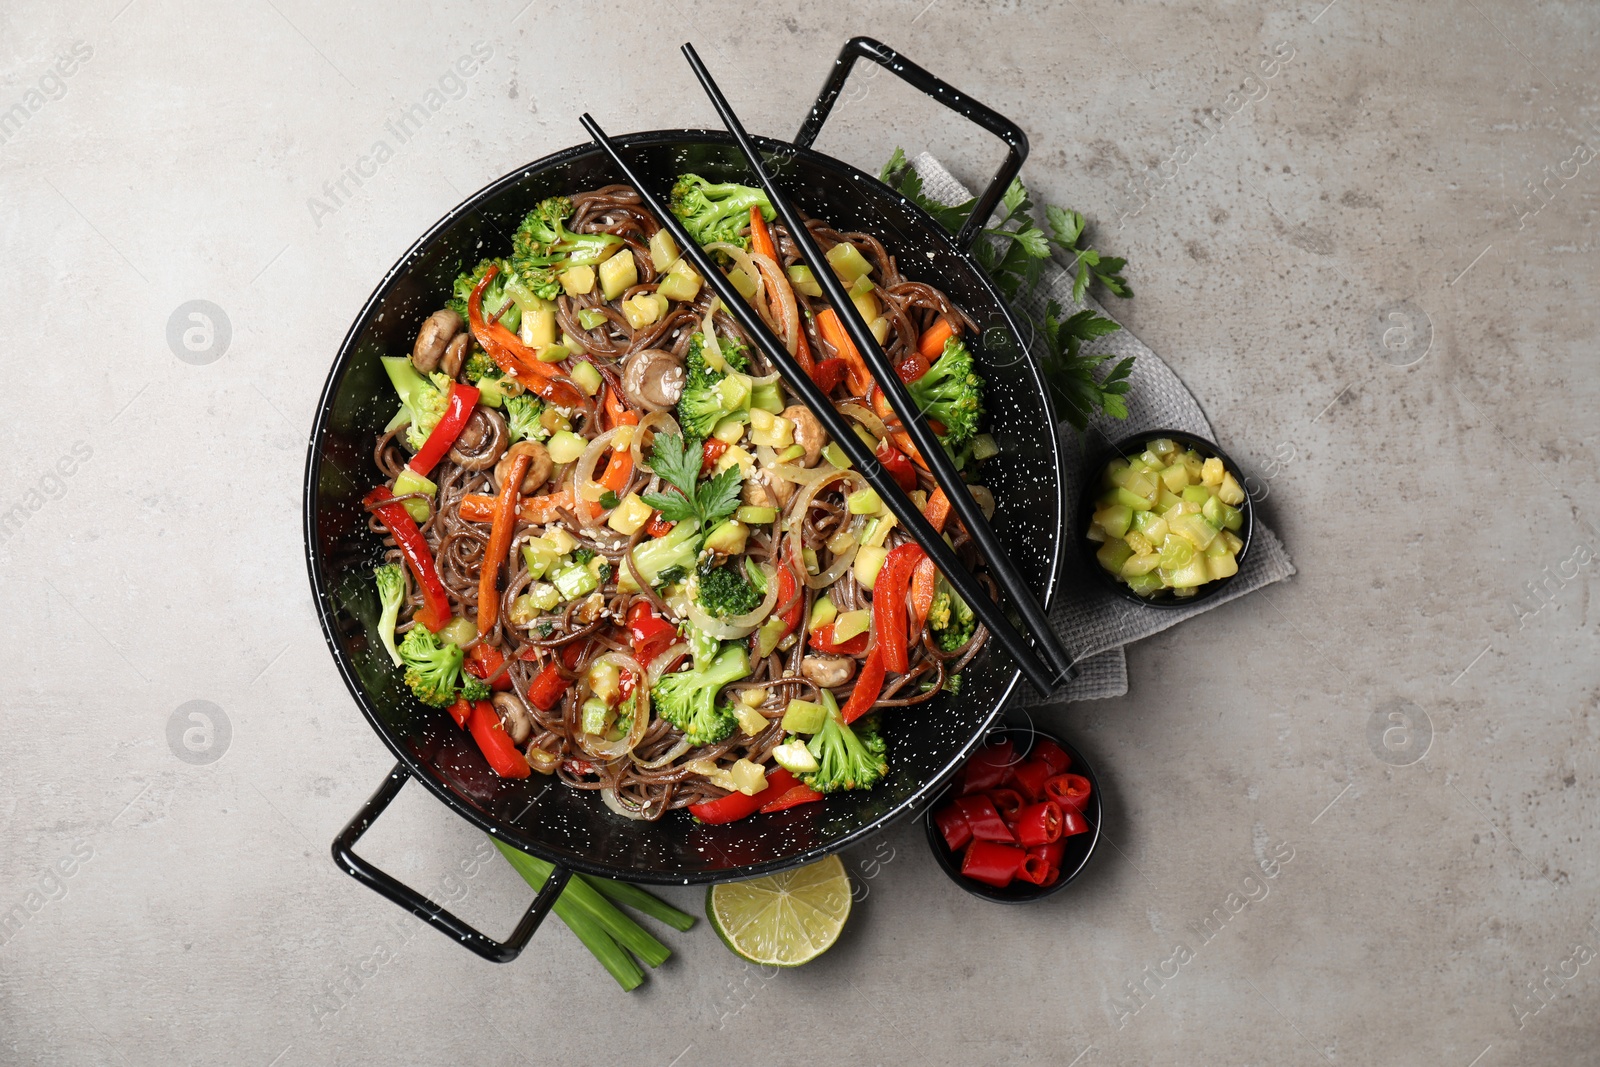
pixel 1046 678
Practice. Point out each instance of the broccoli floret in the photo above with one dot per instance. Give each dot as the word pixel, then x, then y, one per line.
pixel 725 591
pixel 702 646
pixel 717 212
pixel 952 393
pixel 423 401
pixel 847 758
pixel 668 558
pixel 497 293
pixel 433 669
pixel 688 699
pixel 950 620
pixel 473 687
pixel 702 404
pixel 543 247
pixel 480 366
pixel 391 592
pixel 522 419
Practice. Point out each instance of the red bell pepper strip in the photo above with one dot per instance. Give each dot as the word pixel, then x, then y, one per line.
pixel 461 711
pixel 832 331
pixel 1073 822
pixel 829 373
pixel 548 687
pixel 1051 754
pixel 952 824
pixel 982 818
pixel 822 640
pixel 931 343
pixel 1068 790
pixel 483 661
pixel 1038 824
pixel 1030 777
pixel 648 632
pixel 657 526
pixel 924 585
pixel 711 451
pixel 463 399
pixel 869 683
pixel 987 768
pixel 505 524
pixel 1050 853
pixel 402 527
pixel 736 806
pixel 516 358
pixel 505 759
pixel 898 466
pixel 799 794
pixel 912 367
pixel 1008 802
pixel 790 601
pixel 991 862
pixel 889 604
pixel 1034 870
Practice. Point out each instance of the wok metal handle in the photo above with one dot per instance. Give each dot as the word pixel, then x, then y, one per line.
pixel 946 94
pixel 434 914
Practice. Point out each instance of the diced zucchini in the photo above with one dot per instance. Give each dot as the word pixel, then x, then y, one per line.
pixel 1194 573
pixel 1151 525
pixel 409 481
pixel 1230 491
pixel 540 554
pixel 835 455
pixel 804 281
pixel 644 309
pixel 735 390
pixel 734 456
pixel 794 756
pixel 869 561
pixel 592 318
pixel 804 717
pixel 848 262
pixel 605 678
pixel 573 579
pixel 1195 528
pixel 539 327
pixel 545 596
pixel 867 305
pixel 1113 554
pixel 617 274
pixel 864 502
pixel 1135 481
pixel 1211 472
pixel 850 624
pixel 558 536
pixel 984 446
pixel 769 635
pixel 1139 542
pixel 1233 543
pixel 578 281
pixel 458 631
pixel 879 328
pixel 1175 477
pixel 565 446
pixel 730 429
pixel 745 284
pixel 1196 494
pixel 1115 519
pixel 663 250
pixel 768 396
pixel 1146 584
pixel 1128 498
pixel 596 714
pixel 553 353
pixel 1097 533
pixel 728 538
pixel 1166 499
pixel 1222 566
pixel 823 612
pixel 629 515
pixel 1163 447
pixel 680 283
pixel 877 531
pixel 585 377
pixel 756 515
pixel 751 721
pixel 1142 563
pixel 1176 552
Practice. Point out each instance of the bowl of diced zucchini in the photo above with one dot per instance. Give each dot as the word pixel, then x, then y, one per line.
pixel 1166 519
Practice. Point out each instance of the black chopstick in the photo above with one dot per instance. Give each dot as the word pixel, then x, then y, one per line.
pixel 944 471
pixel 943 556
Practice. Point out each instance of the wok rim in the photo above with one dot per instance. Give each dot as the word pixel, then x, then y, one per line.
pixel 417 770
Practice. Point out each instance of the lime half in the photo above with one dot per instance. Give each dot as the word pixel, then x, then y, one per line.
pixel 782 920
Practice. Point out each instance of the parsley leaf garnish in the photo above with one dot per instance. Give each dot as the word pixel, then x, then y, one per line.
pixel 672 458
pixel 1014 256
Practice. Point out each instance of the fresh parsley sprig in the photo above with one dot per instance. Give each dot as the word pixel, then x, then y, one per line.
pixel 678 465
pixel 1014 256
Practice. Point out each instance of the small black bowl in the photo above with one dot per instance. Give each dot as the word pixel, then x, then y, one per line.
pixel 1079 847
pixel 1132 446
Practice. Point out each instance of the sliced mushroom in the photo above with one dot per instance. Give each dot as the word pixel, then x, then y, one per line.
pixel 765 491
pixel 455 355
pixel 437 331
pixel 540 466
pixel 482 440
pixel 514 716
pixel 808 432
pixel 828 672
pixel 653 378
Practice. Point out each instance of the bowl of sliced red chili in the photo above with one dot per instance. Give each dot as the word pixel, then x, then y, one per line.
pixel 1020 820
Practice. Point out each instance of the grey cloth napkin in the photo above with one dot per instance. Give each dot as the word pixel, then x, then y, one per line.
pixel 1093 623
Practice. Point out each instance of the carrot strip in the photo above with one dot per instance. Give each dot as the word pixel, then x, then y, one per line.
pixel 505 514
pixel 931 344
pixel 938 510
pixel 619 468
pixel 924 582
pixel 832 331
pixel 760 236
pixel 536 510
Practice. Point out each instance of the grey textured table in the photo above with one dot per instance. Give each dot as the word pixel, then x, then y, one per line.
pixel 1351 818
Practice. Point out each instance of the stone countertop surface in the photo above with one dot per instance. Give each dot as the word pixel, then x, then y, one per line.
pixel 1351 818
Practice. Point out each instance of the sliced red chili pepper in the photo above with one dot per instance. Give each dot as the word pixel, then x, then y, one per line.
pixel 869 683
pixel 799 794
pixel 461 711
pixel 982 818
pixel 987 767
pixel 1033 869
pixel 514 357
pixel 822 640
pixel 648 632
pixel 1068 790
pixel 897 464
pixel 889 604
pixel 548 687
pixel 458 409
pixel 1038 824
pixel 991 862
pixel 1053 755
pixel 1052 852
pixel 1073 823
pixel 483 661
pixel 402 527
pixel 736 806
pixel 1030 777
pixel 1008 802
pixel 952 824
pixel 505 759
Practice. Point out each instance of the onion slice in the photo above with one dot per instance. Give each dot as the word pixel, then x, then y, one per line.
pixel 866 417
pixel 659 665
pixel 589 490
pixel 609 797
pixel 655 422
pixel 671 754
pixel 599 747
pixel 737 626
